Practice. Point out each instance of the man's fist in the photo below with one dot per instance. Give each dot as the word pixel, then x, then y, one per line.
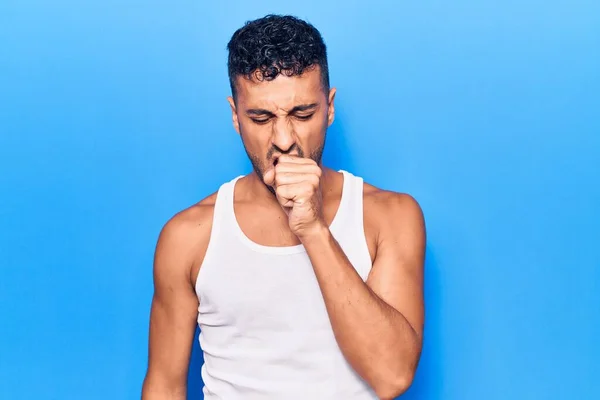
pixel 296 182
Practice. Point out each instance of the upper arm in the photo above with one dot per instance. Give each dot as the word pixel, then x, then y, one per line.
pixel 398 268
pixel 174 309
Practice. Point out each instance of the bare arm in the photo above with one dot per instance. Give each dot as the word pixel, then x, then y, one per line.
pixel 378 325
pixel 174 311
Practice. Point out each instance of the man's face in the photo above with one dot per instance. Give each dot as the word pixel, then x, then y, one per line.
pixel 288 115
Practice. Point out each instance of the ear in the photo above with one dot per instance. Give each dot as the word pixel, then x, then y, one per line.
pixel 331 107
pixel 234 116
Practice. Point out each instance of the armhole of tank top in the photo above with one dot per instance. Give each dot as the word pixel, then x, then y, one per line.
pixel 215 229
pixel 362 235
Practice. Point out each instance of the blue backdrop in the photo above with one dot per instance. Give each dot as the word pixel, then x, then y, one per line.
pixel 113 116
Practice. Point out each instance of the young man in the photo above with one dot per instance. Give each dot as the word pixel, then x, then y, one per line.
pixel 307 283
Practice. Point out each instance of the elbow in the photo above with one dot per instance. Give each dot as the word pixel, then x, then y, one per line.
pixel 394 385
pixel 154 387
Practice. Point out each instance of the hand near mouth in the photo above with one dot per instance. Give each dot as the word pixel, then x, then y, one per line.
pixel 296 182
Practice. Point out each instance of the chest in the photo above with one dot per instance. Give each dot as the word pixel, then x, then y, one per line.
pixel 275 293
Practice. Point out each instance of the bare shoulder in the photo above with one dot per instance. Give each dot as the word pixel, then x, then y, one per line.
pixel 192 219
pixel 184 238
pixel 394 216
pixel 383 203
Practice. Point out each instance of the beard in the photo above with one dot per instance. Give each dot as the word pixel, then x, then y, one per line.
pixel 260 164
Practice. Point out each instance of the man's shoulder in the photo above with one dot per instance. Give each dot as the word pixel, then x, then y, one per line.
pixel 197 217
pixel 389 207
pixel 189 228
pixel 183 240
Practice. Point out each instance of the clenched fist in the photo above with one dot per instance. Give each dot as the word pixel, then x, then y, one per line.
pixel 296 184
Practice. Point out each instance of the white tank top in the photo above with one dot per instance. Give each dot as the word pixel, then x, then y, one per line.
pixel 264 329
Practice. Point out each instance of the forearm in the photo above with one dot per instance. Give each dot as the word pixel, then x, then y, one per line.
pixel 375 338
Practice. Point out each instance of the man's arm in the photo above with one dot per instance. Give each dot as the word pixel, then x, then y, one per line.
pixel 378 325
pixel 174 308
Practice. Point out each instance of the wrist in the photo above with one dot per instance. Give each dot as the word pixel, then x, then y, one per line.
pixel 318 233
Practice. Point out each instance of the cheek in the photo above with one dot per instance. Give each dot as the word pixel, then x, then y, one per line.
pixel 257 142
pixel 254 135
pixel 311 132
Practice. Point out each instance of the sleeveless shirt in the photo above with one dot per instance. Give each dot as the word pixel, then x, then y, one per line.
pixel 264 329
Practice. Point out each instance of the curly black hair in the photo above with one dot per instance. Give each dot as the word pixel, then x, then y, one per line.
pixel 276 44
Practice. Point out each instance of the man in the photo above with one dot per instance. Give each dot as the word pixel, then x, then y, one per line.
pixel 306 282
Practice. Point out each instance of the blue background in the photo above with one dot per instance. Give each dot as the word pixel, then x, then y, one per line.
pixel 113 116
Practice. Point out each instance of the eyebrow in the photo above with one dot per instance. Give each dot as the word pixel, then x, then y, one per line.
pixel 298 108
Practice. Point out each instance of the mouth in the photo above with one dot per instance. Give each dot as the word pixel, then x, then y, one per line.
pixel 276 158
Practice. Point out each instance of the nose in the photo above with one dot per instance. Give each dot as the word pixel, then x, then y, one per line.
pixel 283 137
